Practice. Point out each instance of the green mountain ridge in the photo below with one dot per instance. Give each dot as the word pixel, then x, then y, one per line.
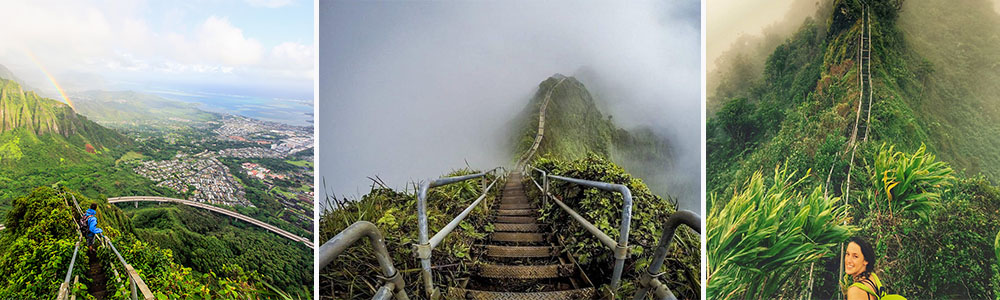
pixel 933 86
pixel 39 116
pixel 575 126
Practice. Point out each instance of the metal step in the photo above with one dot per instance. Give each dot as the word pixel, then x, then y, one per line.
pixel 526 272
pixel 512 219
pixel 516 206
pixel 515 212
pixel 460 293
pixel 521 251
pixel 521 237
pixel 517 227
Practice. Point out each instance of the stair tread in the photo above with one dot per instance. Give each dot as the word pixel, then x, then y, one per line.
pixel 513 227
pixel 460 293
pixel 516 219
pixel 525 272
pixel 523 237
pixel 521 251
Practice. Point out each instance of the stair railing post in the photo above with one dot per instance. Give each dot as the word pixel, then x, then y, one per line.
pixel 135 294
pixel 649 281
pixel 423 248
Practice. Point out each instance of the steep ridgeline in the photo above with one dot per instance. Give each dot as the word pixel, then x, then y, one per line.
pixel 914 82
pixel 851 100
pixel 28 120
pixel 574 127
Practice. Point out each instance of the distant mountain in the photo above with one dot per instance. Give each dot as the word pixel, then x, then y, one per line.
pixel 127 108
pixel 575 126
pixel 7 74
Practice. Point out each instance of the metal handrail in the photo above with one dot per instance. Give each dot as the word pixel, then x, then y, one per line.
pixel 335 246
pixel 650 280
pixel 134 279
pixel 621 247
pixel 64 287
pixel 425 245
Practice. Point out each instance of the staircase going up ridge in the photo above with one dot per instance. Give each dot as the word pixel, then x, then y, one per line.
pixel 522 258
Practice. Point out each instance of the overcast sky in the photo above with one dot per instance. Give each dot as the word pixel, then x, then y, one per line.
pixel 726 20
pixel 262 47
pixel 410 91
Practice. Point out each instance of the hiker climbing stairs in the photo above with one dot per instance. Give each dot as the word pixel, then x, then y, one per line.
pixel 522 259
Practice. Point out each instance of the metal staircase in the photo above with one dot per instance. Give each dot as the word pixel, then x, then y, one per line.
pixel 522 259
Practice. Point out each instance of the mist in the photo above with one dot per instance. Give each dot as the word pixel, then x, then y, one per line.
pixel 411 91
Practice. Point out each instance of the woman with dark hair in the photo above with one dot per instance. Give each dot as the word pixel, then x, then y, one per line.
pixel 859 263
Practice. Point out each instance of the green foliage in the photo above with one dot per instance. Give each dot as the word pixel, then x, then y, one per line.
pixel 575 127
pixel 394 213
pixel 604 209
pixel 947 256
pixel 36 246
pixel 208 243
pixel 996 267
pixel 905 183
pixel 767 233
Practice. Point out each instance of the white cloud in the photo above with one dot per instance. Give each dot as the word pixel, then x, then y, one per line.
pixel 121 41
pixel 219 39
pixel 269 3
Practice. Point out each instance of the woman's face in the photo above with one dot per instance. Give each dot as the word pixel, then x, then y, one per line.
pixel 854 261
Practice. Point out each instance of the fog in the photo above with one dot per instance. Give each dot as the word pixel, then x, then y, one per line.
pixel 410 91
pixel 728 21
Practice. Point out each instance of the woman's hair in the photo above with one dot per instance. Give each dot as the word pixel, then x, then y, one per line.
pixel 867 252
pixel 93 206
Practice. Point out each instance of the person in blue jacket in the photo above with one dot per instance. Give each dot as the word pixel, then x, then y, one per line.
pixel 90 218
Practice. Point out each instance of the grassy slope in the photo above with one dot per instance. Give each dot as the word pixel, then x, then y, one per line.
pixel 581 142
pixel 932 84
pixel 574 127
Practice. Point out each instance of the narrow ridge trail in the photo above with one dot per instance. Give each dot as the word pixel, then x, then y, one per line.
pixel 98 277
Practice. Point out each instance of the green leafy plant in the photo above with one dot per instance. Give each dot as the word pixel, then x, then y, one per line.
pixel 602 208
pixel 906 183
pixel 394 213
pixel 766 233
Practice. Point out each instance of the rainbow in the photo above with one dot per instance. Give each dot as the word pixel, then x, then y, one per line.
pixel 51 78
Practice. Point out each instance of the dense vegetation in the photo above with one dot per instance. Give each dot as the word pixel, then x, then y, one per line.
pixel 575 127
pixel 395 214
pixel 40 236
pixel 932 228
pixel 207 242
pixel 682 266
pixel 580 142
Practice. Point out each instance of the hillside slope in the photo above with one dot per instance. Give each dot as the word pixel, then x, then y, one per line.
pixel 575 127
pixel 932 94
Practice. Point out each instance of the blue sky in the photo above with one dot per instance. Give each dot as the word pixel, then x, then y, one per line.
pixel 261 48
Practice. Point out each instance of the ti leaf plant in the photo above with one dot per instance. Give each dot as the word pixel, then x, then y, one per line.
pixel 906 183
pixel 766 233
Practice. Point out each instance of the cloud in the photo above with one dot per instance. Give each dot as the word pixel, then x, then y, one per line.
pixel 220 40
pixel 140 41
pixel 409 91
pixel 269 3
